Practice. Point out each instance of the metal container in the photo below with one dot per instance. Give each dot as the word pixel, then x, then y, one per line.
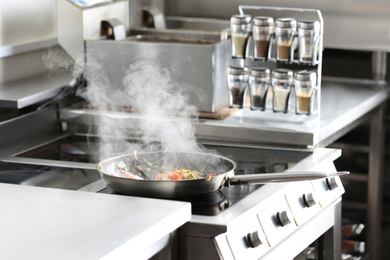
pixel 197 61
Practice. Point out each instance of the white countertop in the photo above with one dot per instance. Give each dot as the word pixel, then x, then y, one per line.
pixel 45 223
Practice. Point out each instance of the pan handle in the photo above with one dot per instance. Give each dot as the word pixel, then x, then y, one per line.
pixel 263 178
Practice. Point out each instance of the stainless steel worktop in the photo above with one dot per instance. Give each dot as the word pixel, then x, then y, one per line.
pixel 31 90
pixel 343 106
pixel 45 223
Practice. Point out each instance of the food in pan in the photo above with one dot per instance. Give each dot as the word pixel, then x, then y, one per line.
pixel 149 172
pixel 182 174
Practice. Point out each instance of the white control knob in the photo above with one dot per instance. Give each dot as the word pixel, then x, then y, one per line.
pixel 332 183
pixel 254 239
pixel 284 217
pixel 310 199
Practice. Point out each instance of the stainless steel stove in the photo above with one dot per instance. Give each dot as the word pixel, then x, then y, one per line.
pixel 271 221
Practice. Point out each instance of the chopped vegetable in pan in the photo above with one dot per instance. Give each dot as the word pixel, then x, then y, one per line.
pixel 121 170
pixel 182 174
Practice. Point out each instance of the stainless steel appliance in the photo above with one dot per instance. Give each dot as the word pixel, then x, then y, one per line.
pixel 195 49
pixel 272 221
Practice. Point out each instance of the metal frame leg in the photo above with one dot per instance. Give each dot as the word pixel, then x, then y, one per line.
pixel 328 246
pixel 375 178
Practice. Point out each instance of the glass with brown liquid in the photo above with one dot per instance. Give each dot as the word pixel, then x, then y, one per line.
pixel 305 88
pixel 285 29
pixel 263 28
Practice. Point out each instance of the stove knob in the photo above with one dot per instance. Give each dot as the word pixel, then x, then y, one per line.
pixel 253 239
pixel 310 199
pixel 331 183
pixel 284 218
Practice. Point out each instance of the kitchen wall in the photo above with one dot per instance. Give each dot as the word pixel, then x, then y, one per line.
pixel 349 24
pixel 23 22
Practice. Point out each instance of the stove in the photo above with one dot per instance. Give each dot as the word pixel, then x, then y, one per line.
pixel 80 149
pixel 268 221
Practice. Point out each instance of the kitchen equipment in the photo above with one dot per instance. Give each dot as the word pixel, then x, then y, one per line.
pixel 237 83
pixel 263 28
pixel 196 60
pixel 305 92
pixel 222 166
pixel 282 83
pixel 240 27
pixel 220 220
pixel 77 23
pixel 259 81
pixel 285 29
pixel 282 52
pixel 308 40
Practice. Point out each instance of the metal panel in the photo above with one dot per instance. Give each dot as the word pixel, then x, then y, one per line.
pixel 38 125
pixel 362 25
pixel 32 90
pixel 199 68
pixel 76 24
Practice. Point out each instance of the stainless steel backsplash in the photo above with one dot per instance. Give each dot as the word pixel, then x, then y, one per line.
pixel 348 24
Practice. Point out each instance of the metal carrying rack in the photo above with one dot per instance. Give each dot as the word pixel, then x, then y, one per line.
pixel 293 64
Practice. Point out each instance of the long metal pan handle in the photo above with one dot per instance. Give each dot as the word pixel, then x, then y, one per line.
pixel 281 177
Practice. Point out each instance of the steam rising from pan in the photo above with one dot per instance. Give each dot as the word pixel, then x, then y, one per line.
pixel 165 110
pixel 161 119
pixel 161 110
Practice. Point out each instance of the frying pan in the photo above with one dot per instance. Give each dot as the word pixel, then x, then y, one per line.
pixel 195 161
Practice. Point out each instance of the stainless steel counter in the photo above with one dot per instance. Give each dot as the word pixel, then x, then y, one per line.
pixel 31 90
pixel 45 223
pixel 343 106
